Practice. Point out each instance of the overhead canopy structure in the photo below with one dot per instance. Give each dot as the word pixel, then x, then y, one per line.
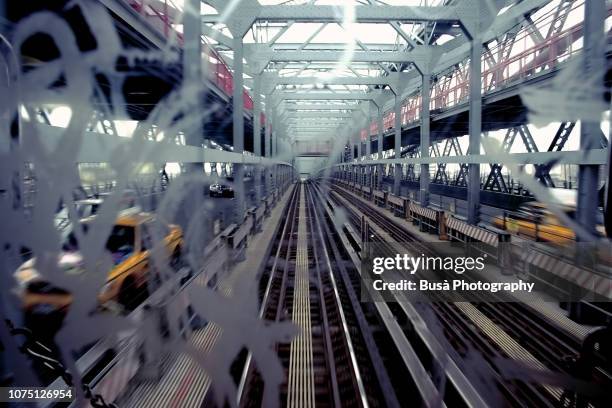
pixel 308 61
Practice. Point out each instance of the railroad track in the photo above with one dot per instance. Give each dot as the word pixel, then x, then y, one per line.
pixel 321 364
pixel 354 359
pixel 510 330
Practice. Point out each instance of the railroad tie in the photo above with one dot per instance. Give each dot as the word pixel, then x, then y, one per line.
pixel 301 375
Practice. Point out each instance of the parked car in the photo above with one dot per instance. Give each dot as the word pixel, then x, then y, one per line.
pixel 128 243
pixel 220 190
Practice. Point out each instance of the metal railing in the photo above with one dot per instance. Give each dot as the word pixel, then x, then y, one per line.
pixel 219 73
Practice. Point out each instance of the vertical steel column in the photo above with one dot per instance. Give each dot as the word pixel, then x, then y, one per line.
pixel 359 158
pixel 192 70
pixel 257 135
pixel 351 168
pixel 425 138
pixel 397 174
pixel 608 190
pixel 369 148
pixel 475 126
pixel 380 133
pixel 275 152
pixel 238 131
pixel 268 144
pixel 593 59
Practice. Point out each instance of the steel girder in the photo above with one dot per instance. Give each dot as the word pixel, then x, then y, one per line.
pixel 330 46
pixel 450 145
pixel 326 96
pixel 316 115
pixel 313 127
pixel 307 120
pixel 315 124
pixel 100 148
pixel 495 180
pixel 393 80
pixel 322 107
pixel 241 18
pixel 556 145
pixel 260 55
pixel 581 157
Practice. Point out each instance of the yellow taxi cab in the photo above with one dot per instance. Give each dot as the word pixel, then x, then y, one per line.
pixel 535 221
pixel 129 244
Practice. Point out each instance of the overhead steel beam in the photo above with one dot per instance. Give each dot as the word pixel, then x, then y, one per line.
pixel 335 56
pixel 333 46
pixel 321 107
pixel 394 80
pixel 316 65
pixel 331 14
pixel 458 48
pixel 217 36
pixel 312 130
pixel 317 115
pixel 312 133
pixel 102 148
pixel 469 13
pixel 325 123
pixel 361 13
pixel 333 80
pixel 327 117
pixel 262 52
pixel 316 119
pixel 313 136
pixel 315 125
pixel 305 127
pixel 323 96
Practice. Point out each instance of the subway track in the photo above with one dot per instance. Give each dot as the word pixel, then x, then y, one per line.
pixel 327 364
pixel 497 330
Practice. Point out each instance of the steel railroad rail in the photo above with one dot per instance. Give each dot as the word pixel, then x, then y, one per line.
pixel 496 329
pixel 321 363
pixel 458 329
pixel 353 365
pixel 410 351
